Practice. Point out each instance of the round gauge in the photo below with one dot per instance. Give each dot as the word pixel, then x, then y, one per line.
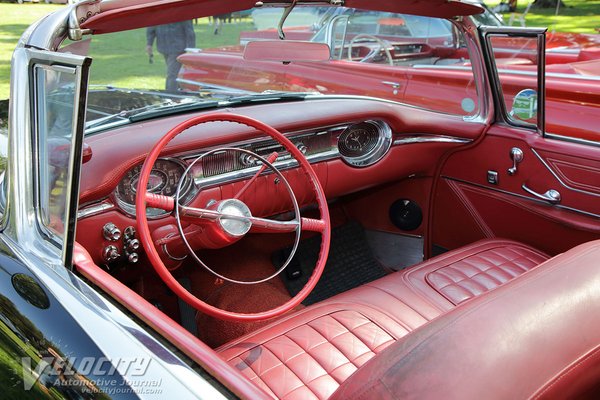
pixel 164 178
pixel 358 140
pixel 364 143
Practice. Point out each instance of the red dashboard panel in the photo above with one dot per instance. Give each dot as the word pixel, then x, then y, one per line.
pixel 265 197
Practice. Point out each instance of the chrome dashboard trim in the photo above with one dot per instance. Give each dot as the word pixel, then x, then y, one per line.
pixel 559 179
pixel 427 138
pixel 95 209
pixel 381 149
pixel 234 176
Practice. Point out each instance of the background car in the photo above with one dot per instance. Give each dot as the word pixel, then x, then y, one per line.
pixel 387 48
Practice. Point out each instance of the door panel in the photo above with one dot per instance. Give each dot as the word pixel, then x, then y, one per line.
pixel 467 207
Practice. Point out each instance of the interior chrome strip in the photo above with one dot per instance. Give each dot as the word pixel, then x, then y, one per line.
pixel 587 213
pixel 247 172
pixel 426 138
pixel 570 139
pixel 94 209
pixel 559 179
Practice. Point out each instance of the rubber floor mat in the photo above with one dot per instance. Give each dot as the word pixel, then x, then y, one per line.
pixel 350 263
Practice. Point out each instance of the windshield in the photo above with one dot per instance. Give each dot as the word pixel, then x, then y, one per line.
pixel 161 70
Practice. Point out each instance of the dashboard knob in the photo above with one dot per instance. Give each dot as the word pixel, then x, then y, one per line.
pixel 111 232
pixel 302 147
pixel 247 160
pixel 133 258
pixel 129 233
pixel 110 254
pixel 133 245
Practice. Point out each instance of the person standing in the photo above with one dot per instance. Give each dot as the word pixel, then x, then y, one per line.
pixel 171 42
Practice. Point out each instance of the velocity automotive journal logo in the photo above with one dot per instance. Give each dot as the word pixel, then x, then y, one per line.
pixel 112 376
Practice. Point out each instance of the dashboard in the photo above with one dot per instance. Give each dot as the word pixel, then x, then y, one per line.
pixel 351 144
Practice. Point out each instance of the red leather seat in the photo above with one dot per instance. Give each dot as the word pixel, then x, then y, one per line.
pixel 309 354
pixel 537 337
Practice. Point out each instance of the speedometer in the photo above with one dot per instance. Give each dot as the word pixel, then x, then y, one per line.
pixel 164 178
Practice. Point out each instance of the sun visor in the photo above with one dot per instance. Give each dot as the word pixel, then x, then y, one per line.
pixel 120 15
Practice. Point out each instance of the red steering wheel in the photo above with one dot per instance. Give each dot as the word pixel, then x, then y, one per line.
pixel 145 199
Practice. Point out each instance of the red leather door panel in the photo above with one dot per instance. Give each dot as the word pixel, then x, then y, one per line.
pixel 467 207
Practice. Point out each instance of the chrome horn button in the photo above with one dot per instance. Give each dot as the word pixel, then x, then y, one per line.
pixel 234 227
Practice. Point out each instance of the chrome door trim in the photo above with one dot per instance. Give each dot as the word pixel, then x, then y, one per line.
pixel 576 210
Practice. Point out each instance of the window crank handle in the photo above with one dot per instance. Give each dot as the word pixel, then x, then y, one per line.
pixel 516 154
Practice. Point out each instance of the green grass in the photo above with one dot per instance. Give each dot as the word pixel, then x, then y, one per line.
pixel 120 58
pixel 581 16
pixel 15 19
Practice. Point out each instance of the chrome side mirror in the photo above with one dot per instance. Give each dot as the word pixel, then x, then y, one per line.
pixel 525 105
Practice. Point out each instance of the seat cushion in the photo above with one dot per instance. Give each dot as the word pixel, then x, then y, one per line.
pixel 307 355
pixel 462 274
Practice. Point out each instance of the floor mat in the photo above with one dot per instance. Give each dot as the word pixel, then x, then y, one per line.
pixel 395 251
pixel 350 263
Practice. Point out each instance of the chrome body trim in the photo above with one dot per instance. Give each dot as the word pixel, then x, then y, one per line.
pixel 572 139
pixel 116 334
pixel 514 72
pixel 559 179
pixel 576 210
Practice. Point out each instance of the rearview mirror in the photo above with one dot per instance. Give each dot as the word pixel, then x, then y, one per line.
pixel 286 51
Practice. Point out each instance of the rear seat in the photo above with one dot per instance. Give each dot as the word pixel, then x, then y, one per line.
pixel 310 353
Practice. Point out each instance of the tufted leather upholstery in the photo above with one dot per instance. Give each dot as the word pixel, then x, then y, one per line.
pixel 309 354
pixel 472 270
pixel 537 337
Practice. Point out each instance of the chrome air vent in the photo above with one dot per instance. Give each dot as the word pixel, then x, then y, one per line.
pixel 311 144
pixel 221 163
pixel 365 143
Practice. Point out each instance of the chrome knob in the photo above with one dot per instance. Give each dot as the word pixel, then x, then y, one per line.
pixel 111 232
pixel 516 154
pixel 133 245
pixel 302 147
pixel 129 233
pixel 247 160
pixel 133 258
pixel 110 254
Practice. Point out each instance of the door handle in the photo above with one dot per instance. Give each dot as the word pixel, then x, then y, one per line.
pixel 395 85
pixel 551 196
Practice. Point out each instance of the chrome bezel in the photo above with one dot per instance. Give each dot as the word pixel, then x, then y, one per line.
pixel 381 148
pixel 188 191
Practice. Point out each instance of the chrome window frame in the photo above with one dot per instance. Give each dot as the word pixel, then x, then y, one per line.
pixel 501 111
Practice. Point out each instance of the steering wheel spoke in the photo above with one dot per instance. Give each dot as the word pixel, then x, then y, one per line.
pixel 160 201
pixel 228 220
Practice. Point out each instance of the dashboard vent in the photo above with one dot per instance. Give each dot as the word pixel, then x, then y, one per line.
pixel 221 163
